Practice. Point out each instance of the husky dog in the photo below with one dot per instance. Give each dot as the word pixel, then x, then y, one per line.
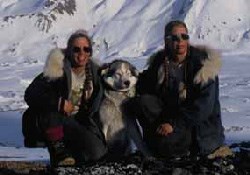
pixel 119 78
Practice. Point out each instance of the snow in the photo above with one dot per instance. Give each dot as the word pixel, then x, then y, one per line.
pixel 123 29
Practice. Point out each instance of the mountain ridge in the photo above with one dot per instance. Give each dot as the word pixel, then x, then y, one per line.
pixel 121 29
pixel 143 21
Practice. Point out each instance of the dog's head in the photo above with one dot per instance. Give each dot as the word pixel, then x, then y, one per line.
pixel 119 75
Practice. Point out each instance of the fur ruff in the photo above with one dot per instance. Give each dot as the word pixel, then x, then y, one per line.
pixel 55 64
pixel 210 69
pixel 53 68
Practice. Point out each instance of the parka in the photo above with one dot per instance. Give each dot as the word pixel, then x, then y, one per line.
pixel 200 106
pixel 45 97
pixel 54 84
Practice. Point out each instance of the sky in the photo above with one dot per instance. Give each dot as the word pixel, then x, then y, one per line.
pixel 120 29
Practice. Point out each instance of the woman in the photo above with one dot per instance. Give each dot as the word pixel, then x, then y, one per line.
pixel 65 97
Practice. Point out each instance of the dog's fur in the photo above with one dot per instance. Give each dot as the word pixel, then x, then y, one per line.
pixel 119 79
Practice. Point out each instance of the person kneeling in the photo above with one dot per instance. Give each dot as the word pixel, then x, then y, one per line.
pixel 65 97
pixel 178 103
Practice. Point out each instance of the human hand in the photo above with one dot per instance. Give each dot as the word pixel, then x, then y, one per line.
pixel 68 107
pixel 164 129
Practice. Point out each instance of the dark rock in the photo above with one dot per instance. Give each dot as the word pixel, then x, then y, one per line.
pixel 136 164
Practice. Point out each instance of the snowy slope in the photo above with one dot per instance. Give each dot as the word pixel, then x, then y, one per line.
pixel 127 29
pixel 223 24
pixel 120 29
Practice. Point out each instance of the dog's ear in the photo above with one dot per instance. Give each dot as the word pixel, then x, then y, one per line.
pixel 104 69
pixel 135 72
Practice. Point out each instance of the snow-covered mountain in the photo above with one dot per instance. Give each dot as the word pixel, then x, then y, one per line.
pixel 127 29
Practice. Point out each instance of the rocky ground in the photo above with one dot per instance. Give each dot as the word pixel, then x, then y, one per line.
pixel 23 168
pixel 136 164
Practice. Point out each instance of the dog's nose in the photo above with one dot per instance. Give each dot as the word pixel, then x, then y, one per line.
pixel 127 83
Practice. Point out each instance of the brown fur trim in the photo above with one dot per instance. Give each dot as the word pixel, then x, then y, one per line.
pixel 211 67
pixel 53 68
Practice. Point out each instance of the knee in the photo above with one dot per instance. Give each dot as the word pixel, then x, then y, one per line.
pixel 95 152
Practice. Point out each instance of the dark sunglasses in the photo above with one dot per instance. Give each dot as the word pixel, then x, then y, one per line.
pixel 178 37
pixel 84 49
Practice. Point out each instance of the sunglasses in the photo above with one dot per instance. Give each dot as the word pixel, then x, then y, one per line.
pixel 84 49
pixel 178 37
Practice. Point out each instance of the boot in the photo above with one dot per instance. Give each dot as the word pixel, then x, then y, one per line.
pixel 59 156
pixel 222 152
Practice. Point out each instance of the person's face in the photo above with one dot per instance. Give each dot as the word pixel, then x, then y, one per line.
pixel 81 51
pixel 178 40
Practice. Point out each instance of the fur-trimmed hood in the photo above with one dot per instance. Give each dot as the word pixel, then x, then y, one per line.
pixel 210 66
pixel 54 64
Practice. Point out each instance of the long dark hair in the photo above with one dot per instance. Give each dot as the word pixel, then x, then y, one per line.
pixel 88 84
pixel 167 53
